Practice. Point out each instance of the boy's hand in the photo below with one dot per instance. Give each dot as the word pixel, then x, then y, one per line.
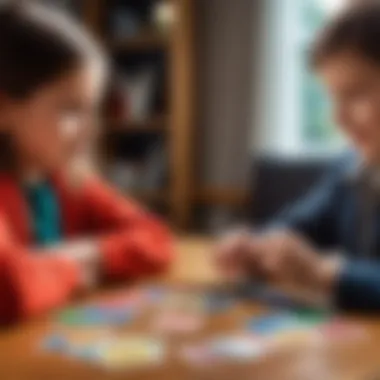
pixel 287 258
pixel 277 257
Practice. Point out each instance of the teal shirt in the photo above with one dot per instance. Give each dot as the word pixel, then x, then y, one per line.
pixel 45 212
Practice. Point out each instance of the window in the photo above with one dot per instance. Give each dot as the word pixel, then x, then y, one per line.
pixel 293 111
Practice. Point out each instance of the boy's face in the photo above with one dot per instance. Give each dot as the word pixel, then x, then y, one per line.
pixel 353 84
pixel 55 124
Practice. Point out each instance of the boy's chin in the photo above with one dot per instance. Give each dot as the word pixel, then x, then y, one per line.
pixel 370 156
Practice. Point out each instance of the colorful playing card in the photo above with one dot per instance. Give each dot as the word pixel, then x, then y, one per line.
pixel 96 315
pixel 183 302
pixel 312 317
pixel 121 301
pixel 274 323
pixel 292 339
pixel 199 355
pixel 237 348
pixel 339 331
pixel 172 322
pixel 129 352
pixel 229 348
pixel 76 343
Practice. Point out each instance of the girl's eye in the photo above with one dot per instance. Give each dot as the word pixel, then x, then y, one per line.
pixel 70 123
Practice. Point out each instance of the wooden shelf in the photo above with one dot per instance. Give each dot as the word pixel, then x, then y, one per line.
pixel 176 50
pixel 154 124
pixel 210 197
pixel 146 41
pixel 223 197
pixel 151 196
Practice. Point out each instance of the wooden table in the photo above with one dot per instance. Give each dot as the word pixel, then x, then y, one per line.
pixel 21 360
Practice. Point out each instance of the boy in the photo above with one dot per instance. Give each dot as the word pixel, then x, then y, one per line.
pixel 330 242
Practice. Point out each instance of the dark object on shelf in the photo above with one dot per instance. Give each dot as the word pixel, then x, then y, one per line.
pixel 140 9
pixel 124 22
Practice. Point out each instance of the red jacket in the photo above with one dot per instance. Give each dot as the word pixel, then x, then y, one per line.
pixel 132 243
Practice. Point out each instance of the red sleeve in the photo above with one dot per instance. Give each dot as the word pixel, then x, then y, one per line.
pixel 31 284
pixel 133 242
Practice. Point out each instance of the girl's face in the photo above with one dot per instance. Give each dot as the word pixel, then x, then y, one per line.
pixel 55 124
pixel 354 86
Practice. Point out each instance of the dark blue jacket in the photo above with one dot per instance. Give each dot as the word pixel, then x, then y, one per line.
pixel 334 216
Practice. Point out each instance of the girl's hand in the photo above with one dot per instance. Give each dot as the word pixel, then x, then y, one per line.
pixel 85 254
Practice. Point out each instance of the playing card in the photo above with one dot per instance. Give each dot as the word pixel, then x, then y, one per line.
pixel 172 322
pixel 183 302
pixel 339 331
pixel 274 323
pixel 131 298
pixel 291 339
pixel 96 315
pixel 76 343
pixel 311 317
pixel 237 348
pixel 129 352
pixel 229 348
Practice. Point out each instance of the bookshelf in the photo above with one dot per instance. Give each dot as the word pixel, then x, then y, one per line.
pixel 145 41
pixel 172 122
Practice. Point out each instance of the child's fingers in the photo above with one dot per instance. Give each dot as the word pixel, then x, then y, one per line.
pixel 230 255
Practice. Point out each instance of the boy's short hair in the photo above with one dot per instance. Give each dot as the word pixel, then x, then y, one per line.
pixel 357 30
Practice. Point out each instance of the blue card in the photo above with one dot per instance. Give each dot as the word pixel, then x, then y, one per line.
pixel 55 343
pixel 273 323
pixel 95 315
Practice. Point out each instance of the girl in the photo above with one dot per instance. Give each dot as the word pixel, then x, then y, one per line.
pixel 342 215
pixel 61 228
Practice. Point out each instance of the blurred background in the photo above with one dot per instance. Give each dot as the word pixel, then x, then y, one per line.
pixel 212 116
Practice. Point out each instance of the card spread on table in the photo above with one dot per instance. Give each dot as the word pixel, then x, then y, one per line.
pixel 106 349
pixel 291 339
pixel 273 323
pixel 129 352
pixel 172 322
pixel 96 315
pixel 339 331
pixel 75 343
pixel 92 333
pixel 225 348
pixel 126 299
pixel 116 309
pixel 183 302
pixel 299 319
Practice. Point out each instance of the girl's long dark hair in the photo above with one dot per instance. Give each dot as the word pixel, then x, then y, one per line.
pixel 38 44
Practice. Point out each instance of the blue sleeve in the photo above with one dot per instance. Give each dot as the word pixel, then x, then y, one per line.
pixel 315 216
pixel 358 286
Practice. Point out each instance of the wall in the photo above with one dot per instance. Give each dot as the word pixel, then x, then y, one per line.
pixel 225 42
